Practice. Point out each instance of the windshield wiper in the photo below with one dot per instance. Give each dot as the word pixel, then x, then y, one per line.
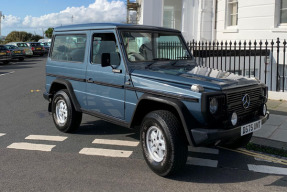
pixel 156 59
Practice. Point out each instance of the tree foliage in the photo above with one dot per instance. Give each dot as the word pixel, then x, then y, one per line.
pixel 49 32
pixel 22 36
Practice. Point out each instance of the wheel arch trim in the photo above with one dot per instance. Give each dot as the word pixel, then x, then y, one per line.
pixel 70 89
pixel 180 108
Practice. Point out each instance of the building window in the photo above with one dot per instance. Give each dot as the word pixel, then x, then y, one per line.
pixel 172 14
pixel 283 12
pixel 232 14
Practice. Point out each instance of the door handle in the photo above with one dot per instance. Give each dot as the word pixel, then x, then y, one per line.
pixel 90 80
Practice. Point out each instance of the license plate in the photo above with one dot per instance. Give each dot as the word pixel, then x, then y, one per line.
pixel 17 51
pixel 251 127
pixel 2 53
pixel 39 48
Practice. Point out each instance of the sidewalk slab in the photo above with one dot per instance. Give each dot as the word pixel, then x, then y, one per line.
pixel 266 131
pixel 279 135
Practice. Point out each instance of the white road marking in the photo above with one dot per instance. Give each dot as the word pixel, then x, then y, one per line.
pixel 7 73
pixel 46 138
pixel 267 169
pixel 264 160
pixel 2 134
pixel 116 142
pixel 203 150
pixel 202 162
pixel 105 152
pixel 31 146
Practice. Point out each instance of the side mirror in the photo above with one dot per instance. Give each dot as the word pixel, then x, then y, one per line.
pixel 110 59
pixel 106 59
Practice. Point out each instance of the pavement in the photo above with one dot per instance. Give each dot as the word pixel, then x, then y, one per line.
pixel 274 132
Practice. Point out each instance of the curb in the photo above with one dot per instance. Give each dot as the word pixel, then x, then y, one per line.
pixel 269 143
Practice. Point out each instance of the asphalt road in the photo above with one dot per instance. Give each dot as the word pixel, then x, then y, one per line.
pixel 34 156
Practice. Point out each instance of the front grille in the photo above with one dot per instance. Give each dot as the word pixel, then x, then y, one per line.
pixel 234 100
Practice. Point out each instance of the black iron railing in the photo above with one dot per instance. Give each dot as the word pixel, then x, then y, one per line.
pixel 265 60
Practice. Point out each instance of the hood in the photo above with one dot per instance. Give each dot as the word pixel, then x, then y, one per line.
pixel 206 77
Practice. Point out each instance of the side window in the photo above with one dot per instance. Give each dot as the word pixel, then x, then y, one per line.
pixel 69 48
pixel 104 43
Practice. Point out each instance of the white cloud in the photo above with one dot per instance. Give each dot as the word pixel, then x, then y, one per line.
pixel 99 11
pixel 10 21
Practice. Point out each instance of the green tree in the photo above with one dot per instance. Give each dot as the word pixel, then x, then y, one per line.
pixel 49 32
pixel 36 38
pixel 22 36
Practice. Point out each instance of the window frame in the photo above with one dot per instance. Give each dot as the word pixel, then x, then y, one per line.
pixel 229 14
pixel 92 40
pixel 280 13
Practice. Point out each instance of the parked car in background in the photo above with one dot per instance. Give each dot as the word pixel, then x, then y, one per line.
pixel 46 45
pixel 16 52
pixel 37 48
pixel 22 46
pixel 5 55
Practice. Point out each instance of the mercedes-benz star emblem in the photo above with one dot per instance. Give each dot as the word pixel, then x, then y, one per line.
pixel 246 101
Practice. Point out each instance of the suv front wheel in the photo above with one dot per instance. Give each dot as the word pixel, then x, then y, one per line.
pixel 65 117
pixel 163 144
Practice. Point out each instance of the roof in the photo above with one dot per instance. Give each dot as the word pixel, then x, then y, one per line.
pixel 91 26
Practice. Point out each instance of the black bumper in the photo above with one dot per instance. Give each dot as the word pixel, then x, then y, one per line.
pixel 203 136
pixel 47 96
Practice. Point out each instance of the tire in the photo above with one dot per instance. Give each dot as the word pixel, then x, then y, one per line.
pixel 21 59
pixel 240 142
pixel 6 62
pixel 65 117
pixel 163 143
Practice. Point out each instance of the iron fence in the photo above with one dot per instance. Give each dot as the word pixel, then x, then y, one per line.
pixel 265 60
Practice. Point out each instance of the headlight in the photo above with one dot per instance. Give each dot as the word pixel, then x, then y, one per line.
pixel 234 118
pixel 213 105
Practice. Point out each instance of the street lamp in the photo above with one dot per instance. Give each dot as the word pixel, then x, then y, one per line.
pixel 1 16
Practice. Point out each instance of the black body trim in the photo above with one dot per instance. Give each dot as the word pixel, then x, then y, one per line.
pixel 69 86
pixel 107 118
pixel 169 95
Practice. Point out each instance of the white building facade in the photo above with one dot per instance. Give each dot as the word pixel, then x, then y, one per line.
pixel 218 19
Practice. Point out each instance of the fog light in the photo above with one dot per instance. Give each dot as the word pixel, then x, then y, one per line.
pixel 264 110
pixel 234 118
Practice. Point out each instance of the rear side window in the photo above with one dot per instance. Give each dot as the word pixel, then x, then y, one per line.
pixel 69 48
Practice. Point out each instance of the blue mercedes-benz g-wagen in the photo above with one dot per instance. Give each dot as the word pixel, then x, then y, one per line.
pixel 143 76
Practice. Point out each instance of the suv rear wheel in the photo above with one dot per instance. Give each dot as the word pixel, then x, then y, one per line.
pixel 164 148
pixel 65 117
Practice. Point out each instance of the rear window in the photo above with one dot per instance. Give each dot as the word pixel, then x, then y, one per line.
pixel 35 44
pixel 22 45
pixel 69 48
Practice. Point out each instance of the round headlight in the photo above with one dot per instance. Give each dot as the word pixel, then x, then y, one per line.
pixel 234 118
pixel 213 105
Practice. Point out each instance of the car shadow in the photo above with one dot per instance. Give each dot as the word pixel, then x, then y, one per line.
pixel 100 127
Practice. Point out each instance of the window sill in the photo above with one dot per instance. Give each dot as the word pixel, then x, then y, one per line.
pixel 280 29
pixel 231 30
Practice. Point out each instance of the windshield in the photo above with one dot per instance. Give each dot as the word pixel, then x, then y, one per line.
pixel 154 46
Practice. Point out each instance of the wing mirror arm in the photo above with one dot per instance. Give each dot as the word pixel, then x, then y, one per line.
pixel 110 59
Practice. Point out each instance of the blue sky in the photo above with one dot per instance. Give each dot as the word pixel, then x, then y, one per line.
pixel 37 15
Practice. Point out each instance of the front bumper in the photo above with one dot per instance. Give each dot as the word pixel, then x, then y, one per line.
pixel 203 137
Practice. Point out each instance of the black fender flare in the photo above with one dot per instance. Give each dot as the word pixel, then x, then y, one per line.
pixel 70 89
pixel 185 117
